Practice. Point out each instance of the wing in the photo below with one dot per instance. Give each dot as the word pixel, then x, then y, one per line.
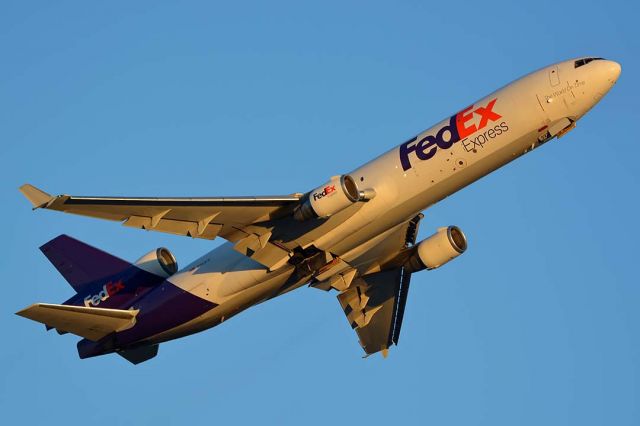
pixel 374 306
pixel 227 217
pixel 375 303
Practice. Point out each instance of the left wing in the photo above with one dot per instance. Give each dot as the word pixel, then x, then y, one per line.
pixel 374 303
pixel 374 306
pixel 194 217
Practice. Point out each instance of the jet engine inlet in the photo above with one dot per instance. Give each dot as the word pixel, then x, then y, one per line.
pixel 159 262
pixel 336 195
pixel 443 246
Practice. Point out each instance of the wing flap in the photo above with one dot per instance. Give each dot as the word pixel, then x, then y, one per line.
pixel 90 323
pixel 207 231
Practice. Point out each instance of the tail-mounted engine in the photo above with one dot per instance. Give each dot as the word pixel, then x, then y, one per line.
pixel 445 245
pixel 332 197
pixel 160 262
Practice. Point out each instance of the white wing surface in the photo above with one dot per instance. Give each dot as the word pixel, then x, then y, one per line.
pixel 203 217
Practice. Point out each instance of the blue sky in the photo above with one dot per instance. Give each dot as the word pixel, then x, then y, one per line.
pixel 536 324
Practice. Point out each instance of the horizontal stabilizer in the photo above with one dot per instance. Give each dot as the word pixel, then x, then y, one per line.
pixel 90 323
pixel 37 197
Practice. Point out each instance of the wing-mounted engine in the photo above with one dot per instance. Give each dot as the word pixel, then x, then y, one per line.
pixel 332 197
pixel 270 242
pixel 443 246
pixel 160 262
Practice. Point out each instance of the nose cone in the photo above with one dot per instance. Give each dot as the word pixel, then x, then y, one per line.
pixel 613 71
pixel 605 75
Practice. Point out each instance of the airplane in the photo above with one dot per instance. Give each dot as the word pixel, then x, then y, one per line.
pixel 355 234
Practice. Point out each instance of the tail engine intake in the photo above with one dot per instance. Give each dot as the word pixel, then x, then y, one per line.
pixel 160 262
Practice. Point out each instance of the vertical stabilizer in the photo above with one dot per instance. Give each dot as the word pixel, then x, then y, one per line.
pixel 81 264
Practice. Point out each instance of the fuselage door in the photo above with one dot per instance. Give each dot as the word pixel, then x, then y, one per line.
pixel 554 77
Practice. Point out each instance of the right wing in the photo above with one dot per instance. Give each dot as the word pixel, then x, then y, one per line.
pixel 228 217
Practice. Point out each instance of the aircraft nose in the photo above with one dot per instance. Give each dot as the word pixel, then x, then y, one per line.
pixel 613 71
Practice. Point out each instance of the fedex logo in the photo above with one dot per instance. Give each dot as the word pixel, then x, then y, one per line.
pixel 108 290
pixel 460 127
pixel 329 189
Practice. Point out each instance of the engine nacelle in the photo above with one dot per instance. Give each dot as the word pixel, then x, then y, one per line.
pixel 160 262
pixel 446 244
pixel 336 195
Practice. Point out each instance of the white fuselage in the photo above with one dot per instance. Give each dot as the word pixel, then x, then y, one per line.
pixel 408 179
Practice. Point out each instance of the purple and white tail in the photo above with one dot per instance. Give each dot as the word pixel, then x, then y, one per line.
pixel 103 280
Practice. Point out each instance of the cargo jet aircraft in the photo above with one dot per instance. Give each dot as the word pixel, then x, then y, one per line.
pixel 355 234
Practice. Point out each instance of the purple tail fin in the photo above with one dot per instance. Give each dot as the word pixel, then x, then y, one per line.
pixel 81 264
pixel 99 278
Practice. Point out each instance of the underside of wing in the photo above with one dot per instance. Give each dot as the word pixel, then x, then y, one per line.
pixel 374 304
pixel 203 217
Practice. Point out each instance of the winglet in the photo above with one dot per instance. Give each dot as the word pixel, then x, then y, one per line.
pixel 37 197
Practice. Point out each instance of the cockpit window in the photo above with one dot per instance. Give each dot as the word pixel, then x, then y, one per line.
pixel 585 61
